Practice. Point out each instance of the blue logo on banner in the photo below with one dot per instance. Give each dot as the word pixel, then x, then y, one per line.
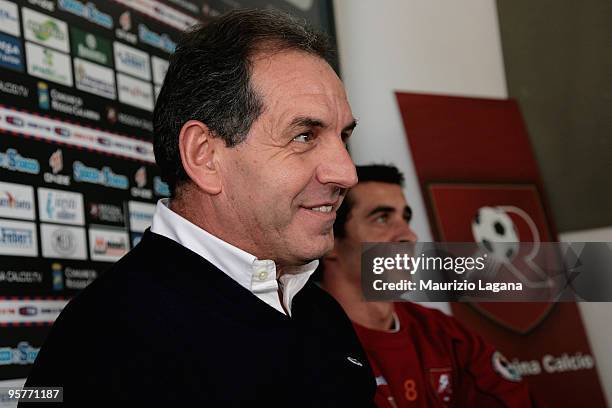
pixel 161 188
pixel 23 354
pixel 11 54
pixel 105 176
pixel 87 11
pixel 161 41
pixel 13 161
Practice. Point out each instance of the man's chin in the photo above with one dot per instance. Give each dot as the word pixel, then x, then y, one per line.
pixel 320 246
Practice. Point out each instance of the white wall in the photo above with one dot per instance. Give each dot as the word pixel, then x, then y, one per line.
pixel 428 46
pixel 596 315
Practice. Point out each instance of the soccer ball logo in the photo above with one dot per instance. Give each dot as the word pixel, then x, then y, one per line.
pixel 495 232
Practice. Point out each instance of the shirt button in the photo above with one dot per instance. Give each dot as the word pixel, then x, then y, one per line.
pixel 262 275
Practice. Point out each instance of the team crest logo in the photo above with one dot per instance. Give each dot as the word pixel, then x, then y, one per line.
pixel 442 384
pixel 498 218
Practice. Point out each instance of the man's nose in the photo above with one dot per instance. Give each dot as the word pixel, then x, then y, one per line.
pixel 404 233
pixel 336 166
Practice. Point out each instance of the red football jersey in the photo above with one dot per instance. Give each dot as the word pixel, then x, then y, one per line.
pixel 433 361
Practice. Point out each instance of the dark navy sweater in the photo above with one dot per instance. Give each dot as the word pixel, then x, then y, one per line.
pixel 164 326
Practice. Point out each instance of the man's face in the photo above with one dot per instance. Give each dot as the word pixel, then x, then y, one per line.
pixel 379 213
pixel 283 184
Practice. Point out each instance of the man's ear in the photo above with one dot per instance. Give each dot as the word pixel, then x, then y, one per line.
pixel 197 145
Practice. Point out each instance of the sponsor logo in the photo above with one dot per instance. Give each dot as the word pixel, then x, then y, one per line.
pixel 74 278
pixel 13 161
pixel 126 119
pixel 54 130
pixel 172 17
pixel 60 206
pixel 14 89
pixel 16 201
pixel 104 177
pixel 160 67
pixel 48 64
pixel 18 238
pixel 23 354
pixel 8 276
pixel 141 215
pixel 87 11
pixel 111 114
pixel 160 187
pixel 132 61
pixel 7 311
pixel 90 46
pixel 161 12
pixel 18 311
pixel 68 104
pixel 58 276
pixel 135 92
pixel 107 245
pixel 125 21
pixel 14 120
pixel 11 55
pixel 551 364
pixel 186 5
pixel 94 78
pixel 28 311
pixel 502 367
pixel 123 33
pixel 43 4
pixel 43 95
pixel 9 18
pixel 45 30
pixel 160 41
pixel 140 177
pixel 65 242
pixel 106 213
pixel 61 131
pixel 56 163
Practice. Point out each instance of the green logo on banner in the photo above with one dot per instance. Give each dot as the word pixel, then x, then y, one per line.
pixel 90 46
pixel 46 30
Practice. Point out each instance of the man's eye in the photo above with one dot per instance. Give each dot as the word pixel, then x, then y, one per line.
pixel 303 137
pixel 382 219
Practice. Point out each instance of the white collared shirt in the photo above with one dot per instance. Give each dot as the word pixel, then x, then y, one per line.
pixel 257 276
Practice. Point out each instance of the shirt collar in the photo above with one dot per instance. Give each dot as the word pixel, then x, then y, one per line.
pixel 257 276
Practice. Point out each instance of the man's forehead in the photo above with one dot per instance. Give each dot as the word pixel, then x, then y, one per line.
pixel 293 73
pixel 371 194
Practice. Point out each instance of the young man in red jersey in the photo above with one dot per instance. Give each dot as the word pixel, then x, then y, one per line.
pixel 420 356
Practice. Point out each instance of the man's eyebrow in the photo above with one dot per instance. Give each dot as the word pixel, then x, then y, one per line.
pixel 309 122
pixel 305 121
pixel 381 209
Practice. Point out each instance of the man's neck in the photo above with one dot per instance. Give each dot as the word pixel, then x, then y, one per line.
pixel 372 315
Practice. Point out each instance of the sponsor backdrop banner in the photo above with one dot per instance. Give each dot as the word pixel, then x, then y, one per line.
pixel 77 177
pixel 78 184
pixel 477 172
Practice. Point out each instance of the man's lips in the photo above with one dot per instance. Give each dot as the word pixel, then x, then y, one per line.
pixel 322 207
